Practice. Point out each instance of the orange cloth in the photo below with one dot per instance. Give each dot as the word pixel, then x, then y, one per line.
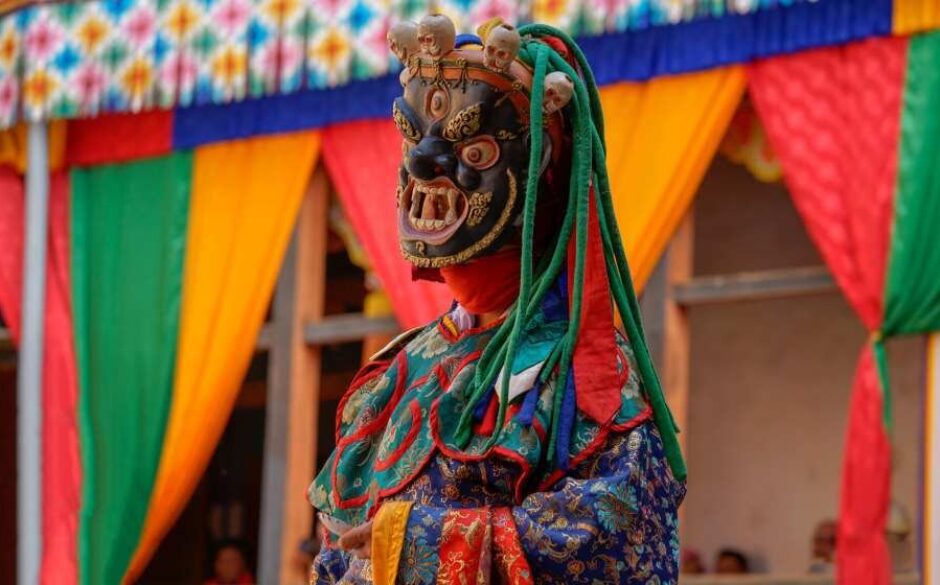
pixel 244 203
pixel 13 146
pixel 911 16
pixel 661 137
pixel 388 536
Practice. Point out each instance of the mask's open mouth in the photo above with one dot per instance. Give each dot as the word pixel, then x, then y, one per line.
pixel 431 211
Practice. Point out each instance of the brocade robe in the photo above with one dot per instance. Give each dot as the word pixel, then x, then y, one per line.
pixel 501 515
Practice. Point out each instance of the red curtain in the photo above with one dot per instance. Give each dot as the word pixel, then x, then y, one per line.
pixel 832 116
pixel 112 138
pixel 61 482
pixel 362 159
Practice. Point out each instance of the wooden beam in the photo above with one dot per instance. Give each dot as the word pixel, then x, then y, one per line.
pixel 293 391
pixel 750 286
pixel 263 343
pixel 653 312
pixel 675 376
pixel 348 327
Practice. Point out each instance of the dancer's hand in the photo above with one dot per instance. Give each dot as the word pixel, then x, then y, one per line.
pixel 358 541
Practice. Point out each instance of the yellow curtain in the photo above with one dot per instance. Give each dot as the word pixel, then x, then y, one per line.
pixel 244 202
pixel 911 16
pixel 13 146
pixel 661 137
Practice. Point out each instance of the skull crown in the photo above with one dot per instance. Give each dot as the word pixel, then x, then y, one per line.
pixel 436 36
pixel 403 40
pixel 558 92
pixel 501 48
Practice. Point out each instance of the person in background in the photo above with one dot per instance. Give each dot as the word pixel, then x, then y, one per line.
pixel 692 563
pixel 731 562
pixel 230 566
pixel 824 547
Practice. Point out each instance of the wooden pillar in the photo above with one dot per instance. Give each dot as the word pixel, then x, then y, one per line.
pixel 931 514
pixel 293 395
pixel 675 374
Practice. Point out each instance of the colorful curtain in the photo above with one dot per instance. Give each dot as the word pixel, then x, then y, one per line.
pixel 81 59
pixel 128 238
pixel 60 450
pixel 245 198
pixel 856 129
pixel 362 159
pixel 911 16
pixel 661 138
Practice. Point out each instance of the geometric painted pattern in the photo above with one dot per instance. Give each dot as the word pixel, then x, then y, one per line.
pixel 78 59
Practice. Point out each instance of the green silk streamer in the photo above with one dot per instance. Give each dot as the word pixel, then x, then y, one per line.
pixel 128 240
pixel 912 286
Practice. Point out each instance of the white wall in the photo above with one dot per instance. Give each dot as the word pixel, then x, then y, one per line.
pixel 770 387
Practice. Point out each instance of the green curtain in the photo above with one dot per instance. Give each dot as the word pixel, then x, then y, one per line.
pixel 912 287
pixel 128 240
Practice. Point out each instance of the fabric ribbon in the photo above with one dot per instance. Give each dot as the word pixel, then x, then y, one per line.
pixel 595 366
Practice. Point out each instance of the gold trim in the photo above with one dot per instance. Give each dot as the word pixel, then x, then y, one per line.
pixel 463 124
pixel 404 124
pixel 479 204
pixel 477 246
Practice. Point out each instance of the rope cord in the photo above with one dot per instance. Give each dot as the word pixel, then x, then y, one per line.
pixel 588 167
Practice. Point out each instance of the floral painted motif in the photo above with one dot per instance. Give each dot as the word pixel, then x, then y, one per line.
pixel 80 59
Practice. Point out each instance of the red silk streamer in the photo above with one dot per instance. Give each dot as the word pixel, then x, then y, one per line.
pixel 596 383
pixel 112 138
pixel 487 285
pixel 61 459
pixel 832 116
pixel 466 545
pixel 509 556
pixel 362 159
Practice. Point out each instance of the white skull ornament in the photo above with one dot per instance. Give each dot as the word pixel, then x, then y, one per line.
pixel 436 35
pixel 403 40
pixel 558 92
pixel 502 46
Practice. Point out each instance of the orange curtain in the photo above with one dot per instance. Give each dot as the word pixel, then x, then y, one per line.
pixel 661 137
pixel 911 16
pixel 13 146
pixel 244 203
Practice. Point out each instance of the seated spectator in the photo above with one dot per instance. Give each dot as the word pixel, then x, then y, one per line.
pixel 731 562
pixel 692 562
pixel 824 548
pixel 230 566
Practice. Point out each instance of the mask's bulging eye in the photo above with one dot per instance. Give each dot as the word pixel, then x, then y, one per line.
pixel 438 104
pixel 481 153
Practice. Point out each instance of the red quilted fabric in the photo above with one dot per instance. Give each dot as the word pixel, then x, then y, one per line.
pixel 362 159
pixel 833 118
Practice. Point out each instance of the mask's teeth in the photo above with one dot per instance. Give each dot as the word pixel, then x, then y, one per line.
pixel 415 202
pixel 427 207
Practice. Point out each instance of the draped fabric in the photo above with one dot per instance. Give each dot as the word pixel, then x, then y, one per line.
pixel 912 16
pixel 13 146
pixel 912 290
pixel 61 468
pixel 128 238
pixel 362 159
pixel 832 116
pixel 245 198
pixel 661 137
pixel 113 138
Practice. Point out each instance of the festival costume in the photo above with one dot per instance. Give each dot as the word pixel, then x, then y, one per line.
pixel 537 449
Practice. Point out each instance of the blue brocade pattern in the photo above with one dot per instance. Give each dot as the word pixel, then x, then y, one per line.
pixel 613 519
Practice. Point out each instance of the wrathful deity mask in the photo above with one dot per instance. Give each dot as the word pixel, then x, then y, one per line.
pixel 464 118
